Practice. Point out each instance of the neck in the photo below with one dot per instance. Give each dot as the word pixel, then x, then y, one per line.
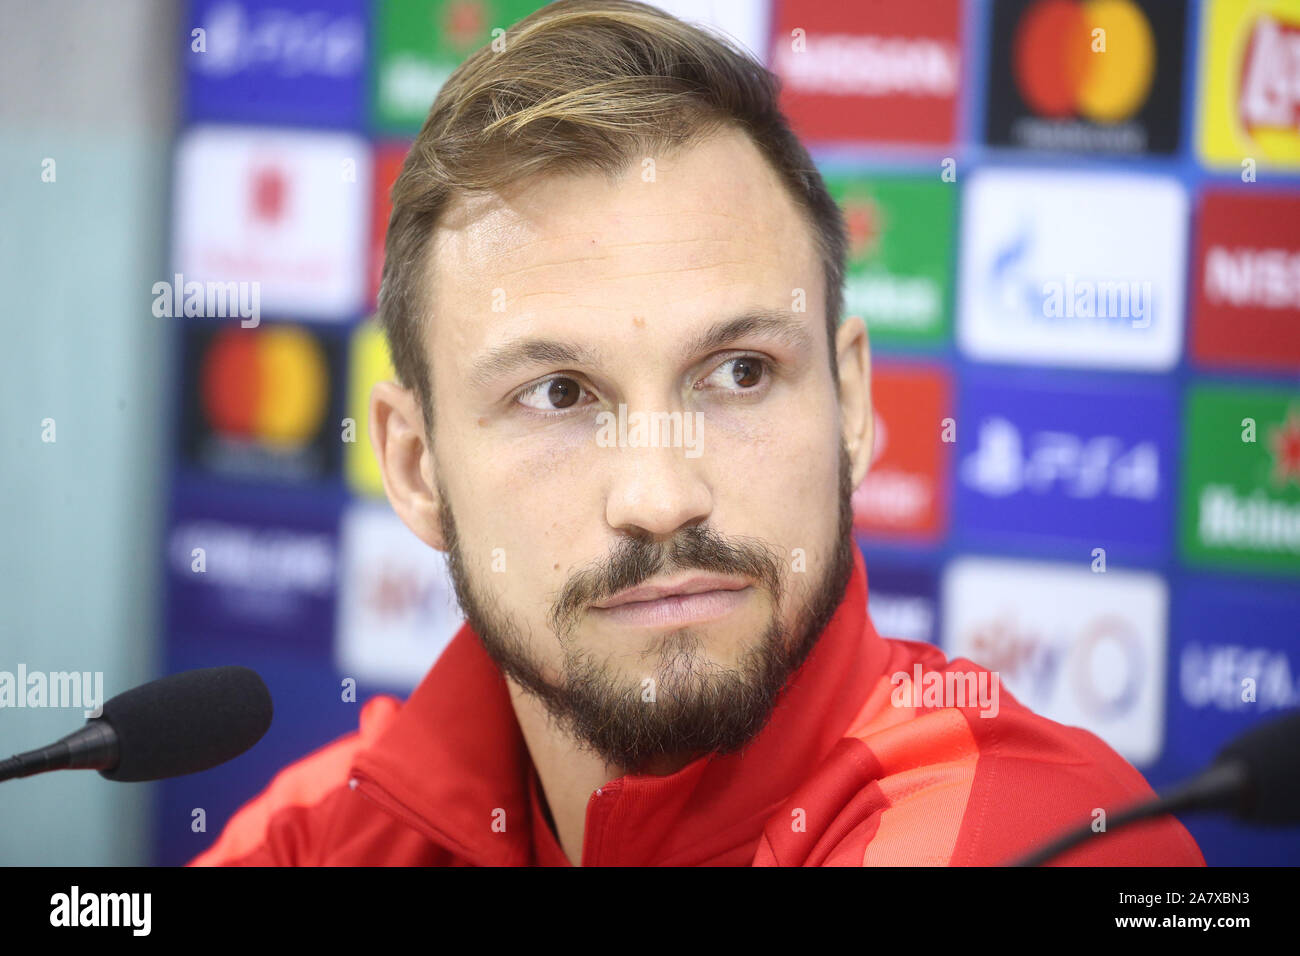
pixel 568 772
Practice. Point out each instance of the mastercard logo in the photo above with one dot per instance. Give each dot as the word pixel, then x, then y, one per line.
pixel 1065 68
pixel 269 385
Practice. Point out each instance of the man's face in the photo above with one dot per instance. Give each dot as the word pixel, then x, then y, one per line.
pixel 566 314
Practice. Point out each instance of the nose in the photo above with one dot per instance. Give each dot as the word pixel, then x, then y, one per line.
pixel 655 492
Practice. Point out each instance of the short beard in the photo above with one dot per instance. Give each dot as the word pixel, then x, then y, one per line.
pixel 689 706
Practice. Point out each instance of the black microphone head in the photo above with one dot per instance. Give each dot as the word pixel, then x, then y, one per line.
pixel 187 722
pixel 1270 755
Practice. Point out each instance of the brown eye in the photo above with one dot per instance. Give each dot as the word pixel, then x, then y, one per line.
pixel 563 392
pixel 746 372
pixel 740 374
pixel 552 395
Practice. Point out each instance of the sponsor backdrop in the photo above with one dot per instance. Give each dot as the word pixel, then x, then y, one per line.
pixel 1075 239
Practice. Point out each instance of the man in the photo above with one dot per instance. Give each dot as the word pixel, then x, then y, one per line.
pixel 630 415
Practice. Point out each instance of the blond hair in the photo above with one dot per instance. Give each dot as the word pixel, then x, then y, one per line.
pixel 583 86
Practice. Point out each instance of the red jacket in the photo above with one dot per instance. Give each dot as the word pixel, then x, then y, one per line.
pixel 839 776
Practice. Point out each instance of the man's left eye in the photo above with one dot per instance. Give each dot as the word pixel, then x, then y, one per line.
pixel 737 374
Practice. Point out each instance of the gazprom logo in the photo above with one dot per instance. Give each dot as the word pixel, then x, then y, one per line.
pixel 1066 299
pixel 1072 269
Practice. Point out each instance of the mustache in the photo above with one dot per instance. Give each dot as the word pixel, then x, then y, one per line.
pixel 635 560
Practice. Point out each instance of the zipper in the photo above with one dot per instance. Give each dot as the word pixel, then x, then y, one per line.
pixel 598 809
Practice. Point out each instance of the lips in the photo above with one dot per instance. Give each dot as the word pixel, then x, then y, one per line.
pixel 699 584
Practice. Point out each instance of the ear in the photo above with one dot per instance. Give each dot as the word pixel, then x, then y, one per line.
pixel 397 435
pixel 854 357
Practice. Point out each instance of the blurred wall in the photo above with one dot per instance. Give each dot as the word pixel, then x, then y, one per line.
pixel 90 86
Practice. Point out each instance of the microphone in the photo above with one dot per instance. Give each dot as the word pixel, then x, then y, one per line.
pixel 1255 778
pixel 169 727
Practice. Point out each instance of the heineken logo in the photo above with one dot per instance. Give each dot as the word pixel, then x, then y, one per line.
pixel 1285 442
pixel 862 221
pixel 900 233
pixel 465 23
pixel 1241 486
pixel 1232 520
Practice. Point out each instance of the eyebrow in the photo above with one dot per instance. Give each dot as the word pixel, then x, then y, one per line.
pixel 772 323
pixel 507 358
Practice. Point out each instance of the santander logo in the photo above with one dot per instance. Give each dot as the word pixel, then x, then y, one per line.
pixel 901 493
pixel 268 189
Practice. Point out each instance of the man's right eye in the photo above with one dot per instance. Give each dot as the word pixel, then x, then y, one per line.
pixel 552 395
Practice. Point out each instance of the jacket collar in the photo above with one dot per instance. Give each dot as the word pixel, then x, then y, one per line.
pixel 453 762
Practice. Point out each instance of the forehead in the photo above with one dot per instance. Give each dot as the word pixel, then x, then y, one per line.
pixel 688 234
